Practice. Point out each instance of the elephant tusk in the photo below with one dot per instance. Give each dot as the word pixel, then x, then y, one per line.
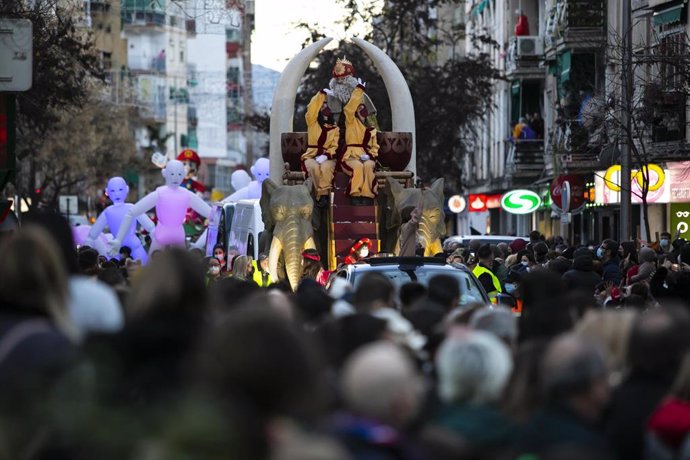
pixel 309 244
pixel 273 256
pixel 402 108
pixel 283 106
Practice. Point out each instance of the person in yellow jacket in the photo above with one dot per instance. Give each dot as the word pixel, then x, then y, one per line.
pixel 260 274
pixel 318 161
pixel 361 149
pixel 489 281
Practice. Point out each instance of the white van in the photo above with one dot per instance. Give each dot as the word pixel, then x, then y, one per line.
pixel 245 229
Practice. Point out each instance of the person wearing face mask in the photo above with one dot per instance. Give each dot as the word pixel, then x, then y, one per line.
pixel 608 254
pixel 512 286
pixel 665 243
pixel 219 253
pixel 360 250
pixel 213 272
pixel 526 259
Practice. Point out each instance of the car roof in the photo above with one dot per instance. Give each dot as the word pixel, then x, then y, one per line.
pixel 377 263
pixel 487 237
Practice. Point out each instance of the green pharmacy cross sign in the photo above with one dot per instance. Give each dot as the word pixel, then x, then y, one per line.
pixel 520 202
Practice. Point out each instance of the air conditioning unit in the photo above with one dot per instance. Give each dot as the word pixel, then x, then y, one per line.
pixel 530 46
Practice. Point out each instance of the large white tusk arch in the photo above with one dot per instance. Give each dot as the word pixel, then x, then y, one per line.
pixel 402 109
pixel 283 107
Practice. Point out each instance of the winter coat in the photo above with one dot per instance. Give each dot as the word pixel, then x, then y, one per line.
pixel 556 427
pixel 485 427
pixel 631 405
pixel 582 276
pixel 611 272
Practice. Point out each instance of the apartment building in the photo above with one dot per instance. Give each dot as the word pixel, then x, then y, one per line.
pixel 562 65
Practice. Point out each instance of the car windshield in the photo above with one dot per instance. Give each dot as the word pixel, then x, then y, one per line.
pixel 469 289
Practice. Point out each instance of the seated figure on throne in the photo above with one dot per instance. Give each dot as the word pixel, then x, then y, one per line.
pixel 318 162
pixel 360 151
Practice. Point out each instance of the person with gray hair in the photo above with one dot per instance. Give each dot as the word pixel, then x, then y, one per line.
pixel 473 369
pixel 498 321
pixel 574 381
pixel 383 392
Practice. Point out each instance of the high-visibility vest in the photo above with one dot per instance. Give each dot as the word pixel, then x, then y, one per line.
pixel 478 271
pixel 258 276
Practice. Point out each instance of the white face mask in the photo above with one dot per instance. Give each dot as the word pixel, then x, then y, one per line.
pixel 363 252
pixel 214 270
pixel 525 263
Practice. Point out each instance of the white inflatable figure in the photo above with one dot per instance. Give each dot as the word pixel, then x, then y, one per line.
pixel 171 202
pixel 80 234
pixel 240 181
pixel 117 190
pixel 260 171
pixel 251 189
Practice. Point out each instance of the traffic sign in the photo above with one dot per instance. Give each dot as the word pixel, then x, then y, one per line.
pixel 69 204
pixel 520 201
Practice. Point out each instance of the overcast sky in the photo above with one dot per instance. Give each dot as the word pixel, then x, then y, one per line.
pixel 275 39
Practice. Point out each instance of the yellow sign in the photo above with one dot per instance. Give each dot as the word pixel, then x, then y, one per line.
pixel 656 180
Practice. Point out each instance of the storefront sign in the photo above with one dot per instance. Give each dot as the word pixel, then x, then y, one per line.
pixel 520 202
pixel 680 219
pixel 657 177
pixel 457 204
pixel 493 201
pixel 607 185
pixel 478 203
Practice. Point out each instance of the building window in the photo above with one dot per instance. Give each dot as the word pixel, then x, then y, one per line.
pixel 107 60
pixel 181 56
pixel 673 47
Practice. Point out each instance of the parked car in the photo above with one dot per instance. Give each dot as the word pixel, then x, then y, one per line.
pixel 453 242
pixel 401 270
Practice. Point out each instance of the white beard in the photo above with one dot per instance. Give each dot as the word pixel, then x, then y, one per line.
pixel 343 87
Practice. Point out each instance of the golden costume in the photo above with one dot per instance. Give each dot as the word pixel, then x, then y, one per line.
pixel 322 139
pixel 360 140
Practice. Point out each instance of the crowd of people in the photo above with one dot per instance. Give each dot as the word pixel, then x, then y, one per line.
pixel 102 359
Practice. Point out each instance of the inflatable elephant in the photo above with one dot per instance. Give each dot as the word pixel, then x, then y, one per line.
pixel 431 224
pixel 287 212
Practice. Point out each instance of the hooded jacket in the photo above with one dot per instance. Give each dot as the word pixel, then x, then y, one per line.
pixel 582 276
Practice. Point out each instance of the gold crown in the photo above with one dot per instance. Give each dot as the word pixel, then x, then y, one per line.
pixel 343 61
pixel 343 67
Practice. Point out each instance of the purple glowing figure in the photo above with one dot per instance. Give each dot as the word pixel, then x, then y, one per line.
pixel 117 190
pixel 171 202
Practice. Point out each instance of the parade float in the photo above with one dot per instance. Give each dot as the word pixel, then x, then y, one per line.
pixel 295 218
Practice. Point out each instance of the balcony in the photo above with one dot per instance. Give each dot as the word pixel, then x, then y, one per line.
pixel 146 65
pixel 525 159
pixel 525 57
pixel 576 25
pixel 142 13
